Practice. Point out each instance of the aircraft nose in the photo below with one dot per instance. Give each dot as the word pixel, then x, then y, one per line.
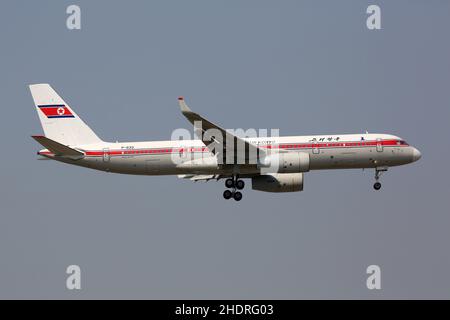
pixel 416 154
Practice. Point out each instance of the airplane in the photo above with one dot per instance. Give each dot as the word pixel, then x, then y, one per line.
pixel 274 164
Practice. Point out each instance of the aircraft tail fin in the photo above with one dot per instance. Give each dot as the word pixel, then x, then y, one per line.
pixel 59 121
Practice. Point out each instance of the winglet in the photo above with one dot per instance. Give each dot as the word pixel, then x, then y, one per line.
pixel 183 106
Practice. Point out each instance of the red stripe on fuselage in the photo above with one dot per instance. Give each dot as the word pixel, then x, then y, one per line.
pixel 289 146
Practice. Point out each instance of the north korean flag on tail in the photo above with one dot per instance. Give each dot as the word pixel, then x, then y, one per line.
pixel 56 111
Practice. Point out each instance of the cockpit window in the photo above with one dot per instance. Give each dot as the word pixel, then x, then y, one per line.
pixel 402 142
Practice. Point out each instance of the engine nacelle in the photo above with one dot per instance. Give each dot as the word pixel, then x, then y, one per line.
pixel 278 182
pixel 285 162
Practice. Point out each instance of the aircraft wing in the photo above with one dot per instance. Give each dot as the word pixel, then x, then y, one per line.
pixel 220 141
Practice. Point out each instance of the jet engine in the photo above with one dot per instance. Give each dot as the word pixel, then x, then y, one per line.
pixel 285 162
pixel 278 182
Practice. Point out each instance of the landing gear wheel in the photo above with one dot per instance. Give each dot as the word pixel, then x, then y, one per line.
pixel 240 184
pixel 227 194
pixel 229 183
pixel 237 196
pixel 378 172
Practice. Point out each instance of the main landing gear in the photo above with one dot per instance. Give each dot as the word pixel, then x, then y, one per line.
pixel 378 172
pixel 234 184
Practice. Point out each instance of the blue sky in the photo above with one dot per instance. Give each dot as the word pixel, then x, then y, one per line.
pixel 305 67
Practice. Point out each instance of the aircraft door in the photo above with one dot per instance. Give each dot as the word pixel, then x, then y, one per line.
pixel 106 155
pixel 379 145
pixel 315 149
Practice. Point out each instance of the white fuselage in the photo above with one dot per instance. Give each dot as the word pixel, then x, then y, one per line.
pixel 343 151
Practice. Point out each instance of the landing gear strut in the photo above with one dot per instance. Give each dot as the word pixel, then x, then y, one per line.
pixel 235 184
pixel 378 172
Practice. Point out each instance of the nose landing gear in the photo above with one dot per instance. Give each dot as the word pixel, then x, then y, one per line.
pixel 378 172
pixel 234 184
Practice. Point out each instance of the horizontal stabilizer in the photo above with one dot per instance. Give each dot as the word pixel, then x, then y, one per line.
pixel 59 149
